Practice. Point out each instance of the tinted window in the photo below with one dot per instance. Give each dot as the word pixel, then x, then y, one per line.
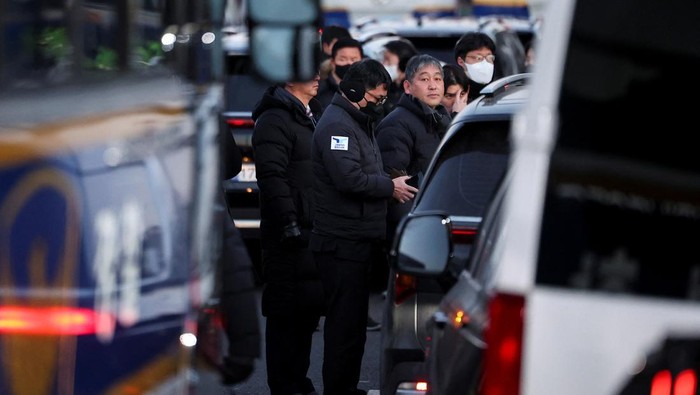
pixel 622 209
pixel 467 170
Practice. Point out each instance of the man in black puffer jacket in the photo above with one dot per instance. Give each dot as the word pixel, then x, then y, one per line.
pixel 292 299
pixel 409 136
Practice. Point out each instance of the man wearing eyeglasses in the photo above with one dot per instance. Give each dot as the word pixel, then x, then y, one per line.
pixel 409 135
pixel 351 191
pixel 474 52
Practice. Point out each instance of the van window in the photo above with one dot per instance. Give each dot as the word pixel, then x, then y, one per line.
pixel 622 207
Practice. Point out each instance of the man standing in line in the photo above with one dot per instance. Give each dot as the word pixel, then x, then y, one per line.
pixel 345 52
pixel 329 35
pixel 409 136
pixel 292 299
pixel 352 192
pixel 474 52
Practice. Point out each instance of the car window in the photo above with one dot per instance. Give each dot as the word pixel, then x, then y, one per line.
pixel 467 170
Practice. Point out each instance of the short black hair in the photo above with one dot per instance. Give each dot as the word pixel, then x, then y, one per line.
pixel 346 43
pixel 370 71
pixel 453 74
pixel 331 32
pixel 471 41
pixel 404 49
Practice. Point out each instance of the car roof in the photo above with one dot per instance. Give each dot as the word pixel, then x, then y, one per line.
pixel 501 99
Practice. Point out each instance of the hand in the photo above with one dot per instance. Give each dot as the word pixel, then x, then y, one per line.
pixel 291 235
pixel 461 101
pixel 402 191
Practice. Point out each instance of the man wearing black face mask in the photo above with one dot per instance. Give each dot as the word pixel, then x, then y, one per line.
pixel 345 52
pixel 351 191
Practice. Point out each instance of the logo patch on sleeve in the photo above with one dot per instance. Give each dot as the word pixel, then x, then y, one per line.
pixel 339 143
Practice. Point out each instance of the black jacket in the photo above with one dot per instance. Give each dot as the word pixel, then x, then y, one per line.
pixel 409 135
pixel 282 147
pixel 350 186
pixel 408 138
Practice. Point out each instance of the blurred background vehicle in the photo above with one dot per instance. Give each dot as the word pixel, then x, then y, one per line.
pixel 585 275
pixel 460 181
pixel 243 87
pixel 108 178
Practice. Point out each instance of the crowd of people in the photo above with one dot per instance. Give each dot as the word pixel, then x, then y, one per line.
pixel 339 160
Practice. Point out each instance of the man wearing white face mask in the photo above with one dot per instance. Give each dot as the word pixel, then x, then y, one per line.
pixel 474 52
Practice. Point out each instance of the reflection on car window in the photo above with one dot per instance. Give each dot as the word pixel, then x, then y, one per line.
pixel 468 170
pixel 42 46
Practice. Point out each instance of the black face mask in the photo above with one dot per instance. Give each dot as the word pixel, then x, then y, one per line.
pixel 373 110
pixel 341 70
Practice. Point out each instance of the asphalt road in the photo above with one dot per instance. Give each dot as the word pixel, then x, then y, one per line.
pixel 256 384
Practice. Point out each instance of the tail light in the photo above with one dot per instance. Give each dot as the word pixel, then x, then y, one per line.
pixel 503 337
pixel 685 383
pixel 240 122
pixel 47 320
pixel 404 287
pixel 463 235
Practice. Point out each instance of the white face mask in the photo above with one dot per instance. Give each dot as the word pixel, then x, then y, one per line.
pixel 481 72
pixel 393 71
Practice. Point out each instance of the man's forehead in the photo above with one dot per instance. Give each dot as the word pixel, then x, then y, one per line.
pixel 429 70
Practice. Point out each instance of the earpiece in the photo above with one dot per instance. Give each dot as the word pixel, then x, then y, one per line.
pixel 354 90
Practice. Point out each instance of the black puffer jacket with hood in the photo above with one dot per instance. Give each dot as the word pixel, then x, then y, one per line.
pixel 282 146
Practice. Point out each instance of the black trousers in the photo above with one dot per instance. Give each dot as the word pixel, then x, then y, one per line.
pixel 292 305
pixel 288 341
pixel 346 287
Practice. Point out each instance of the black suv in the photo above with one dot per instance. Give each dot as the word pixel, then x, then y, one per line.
pixel 464 173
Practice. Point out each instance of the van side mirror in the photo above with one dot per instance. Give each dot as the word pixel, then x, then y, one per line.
pixel 285 39
pixel 423 245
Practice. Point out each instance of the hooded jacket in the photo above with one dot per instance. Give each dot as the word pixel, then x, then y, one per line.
pixel 282 147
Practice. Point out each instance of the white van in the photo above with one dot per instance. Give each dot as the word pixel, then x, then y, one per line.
pixel 590 283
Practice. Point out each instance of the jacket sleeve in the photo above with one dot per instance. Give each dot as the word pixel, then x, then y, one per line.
pixel 273 145
pixel 345 165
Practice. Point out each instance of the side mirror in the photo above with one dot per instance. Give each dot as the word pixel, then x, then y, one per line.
pixel 284 38
pixel 423 245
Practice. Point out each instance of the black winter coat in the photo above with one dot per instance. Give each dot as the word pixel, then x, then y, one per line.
pixel 282 146
pixel 350 186
pixel 408 138
pixel 409 135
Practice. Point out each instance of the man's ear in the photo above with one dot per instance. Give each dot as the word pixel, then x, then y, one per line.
pixel 407 86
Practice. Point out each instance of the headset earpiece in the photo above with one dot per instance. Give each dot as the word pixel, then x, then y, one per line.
pixel 354 90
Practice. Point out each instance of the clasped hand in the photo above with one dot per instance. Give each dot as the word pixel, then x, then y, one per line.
pixel 402 191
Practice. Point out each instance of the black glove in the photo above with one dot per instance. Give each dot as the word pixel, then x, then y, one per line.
pixel 291 235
